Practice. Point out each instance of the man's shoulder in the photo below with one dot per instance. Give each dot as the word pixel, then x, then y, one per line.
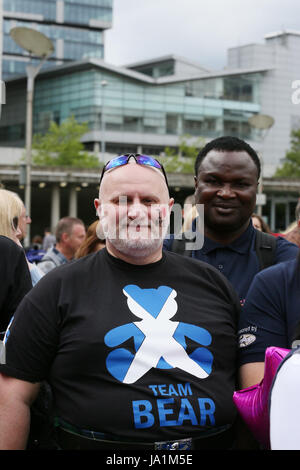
pixel 266 282
pixel 54 256
pixel 285 249
pixel 49 253
pixel 50 260
pixel 65 274
pixel 284 242
pixel 76 265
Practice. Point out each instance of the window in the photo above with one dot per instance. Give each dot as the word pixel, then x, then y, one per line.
pixel 172 124
pixel 192 127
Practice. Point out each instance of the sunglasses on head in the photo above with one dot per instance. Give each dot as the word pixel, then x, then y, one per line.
pixel 140 159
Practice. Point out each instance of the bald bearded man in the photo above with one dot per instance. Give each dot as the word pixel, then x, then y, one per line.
pixel 138 345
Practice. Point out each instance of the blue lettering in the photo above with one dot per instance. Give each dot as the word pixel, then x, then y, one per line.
pixel 172 390
pixel 163 389
pixel 153 388
pixel 206 412
pixel 162 412
pixel 189 415
pixel 184 389
pixel 141 412
pixel 144 416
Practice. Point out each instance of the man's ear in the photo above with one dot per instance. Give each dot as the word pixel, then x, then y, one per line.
pixel 64 236
pixel 195 182
pixel 97 205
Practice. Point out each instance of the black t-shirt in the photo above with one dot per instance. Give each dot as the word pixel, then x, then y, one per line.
pixel 15 279
pixel 142 352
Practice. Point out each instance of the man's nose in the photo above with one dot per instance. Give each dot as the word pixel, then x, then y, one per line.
pixel 135 210
pixel 226 191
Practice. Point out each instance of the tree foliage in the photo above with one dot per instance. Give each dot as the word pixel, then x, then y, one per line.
pixel 61 146
pixel 290 167
pixel 182 161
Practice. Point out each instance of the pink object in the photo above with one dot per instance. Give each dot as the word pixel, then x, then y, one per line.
pixel 253 402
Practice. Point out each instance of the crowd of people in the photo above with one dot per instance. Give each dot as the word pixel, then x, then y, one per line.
pixel 143 343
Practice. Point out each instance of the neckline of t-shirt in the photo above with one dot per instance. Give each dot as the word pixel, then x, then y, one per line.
pixel 123 264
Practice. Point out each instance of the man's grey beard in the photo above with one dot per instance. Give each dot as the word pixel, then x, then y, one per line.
pixel 133 243
pixel 137 248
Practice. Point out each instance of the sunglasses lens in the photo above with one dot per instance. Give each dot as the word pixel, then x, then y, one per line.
pixel 117 162
pixel 146 160
pixel 140 159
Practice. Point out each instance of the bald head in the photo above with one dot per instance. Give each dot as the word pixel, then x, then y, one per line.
pixel 133 174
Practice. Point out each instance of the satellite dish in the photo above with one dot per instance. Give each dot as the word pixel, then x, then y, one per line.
pixel 261 121
pixel 32 41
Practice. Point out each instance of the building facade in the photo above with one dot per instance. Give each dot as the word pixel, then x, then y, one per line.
pixel 149 106
pixel 128 110
pixel 75 27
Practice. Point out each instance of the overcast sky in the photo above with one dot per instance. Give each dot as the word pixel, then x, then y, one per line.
pixel 200 30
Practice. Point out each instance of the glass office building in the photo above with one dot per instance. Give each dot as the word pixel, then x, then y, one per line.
pixel 76 28
pixel 136 111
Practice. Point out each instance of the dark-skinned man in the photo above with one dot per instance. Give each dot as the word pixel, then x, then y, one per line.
pixel 227 172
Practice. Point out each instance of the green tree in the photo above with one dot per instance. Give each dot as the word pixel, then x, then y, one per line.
pixel 61 146
pixel 183 160
pixel 290 167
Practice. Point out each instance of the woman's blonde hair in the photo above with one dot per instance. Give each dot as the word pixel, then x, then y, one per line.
pixel 11 206
pixel 189 216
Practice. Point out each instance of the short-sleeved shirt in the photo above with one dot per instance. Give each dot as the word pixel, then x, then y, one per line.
pixel 271 311
pixel 15 279
pixel 142 352
pixel 238 261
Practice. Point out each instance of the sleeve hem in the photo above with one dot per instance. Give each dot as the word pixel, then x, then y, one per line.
pixel 17 374
pixel 257 357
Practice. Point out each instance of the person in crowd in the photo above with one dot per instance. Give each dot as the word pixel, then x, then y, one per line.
pixel 293 235
pixel 138 357
pixel 94 241
pixel 15 280
pixel 49 239
pixel 37 242
pixel 34 253
pixel 70 234
pixel 11 208
pixel 13 224
pixel 24 220
pixel 270 317
pixel 260 224
pixel 227 171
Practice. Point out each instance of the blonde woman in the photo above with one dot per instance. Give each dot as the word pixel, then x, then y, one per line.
pixel 11 207
pixel 11 210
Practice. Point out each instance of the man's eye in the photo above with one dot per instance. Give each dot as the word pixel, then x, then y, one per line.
pixel 148 201
pixel 120 201
pixel 211 181
pixel 241 184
